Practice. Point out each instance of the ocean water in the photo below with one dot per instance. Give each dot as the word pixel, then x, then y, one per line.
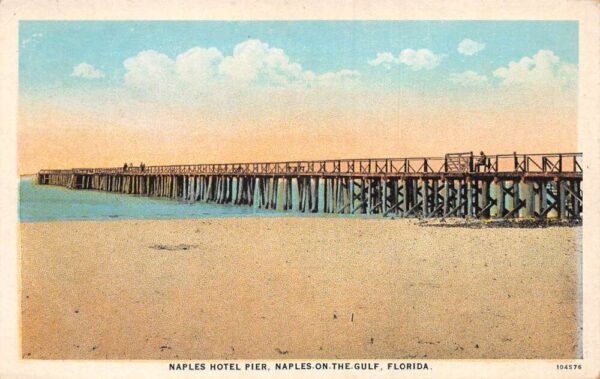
pixel 48 203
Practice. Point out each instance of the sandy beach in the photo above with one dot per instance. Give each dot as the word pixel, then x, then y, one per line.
pixel 279 288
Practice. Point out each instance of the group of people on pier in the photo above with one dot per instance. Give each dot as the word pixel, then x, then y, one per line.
pixel 141 167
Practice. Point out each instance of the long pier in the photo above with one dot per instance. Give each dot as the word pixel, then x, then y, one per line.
pixel 455 185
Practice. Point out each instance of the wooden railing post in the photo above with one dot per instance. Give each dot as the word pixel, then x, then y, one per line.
pixel 559 162
pixel 471 164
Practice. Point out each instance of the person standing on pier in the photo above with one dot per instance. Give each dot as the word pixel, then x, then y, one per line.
pixel 481 162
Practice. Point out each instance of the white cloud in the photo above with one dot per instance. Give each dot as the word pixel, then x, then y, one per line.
pixel 383 58
pixel 254 60
pixel 469 79
pixel 147 69
pixel 252 63
pixel 198 64
pixel 544 68
pixel 419 59
pixel 86 71
pixel 415 59
pixel 469 47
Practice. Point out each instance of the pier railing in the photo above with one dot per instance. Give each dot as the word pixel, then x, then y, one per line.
pixel 451 163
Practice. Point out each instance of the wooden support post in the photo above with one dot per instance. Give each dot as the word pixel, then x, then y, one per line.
pixel 484 199
pixel 415 196
pixel 436 197
pixel 309 195
pixel 500 198
pixel 275 192
pixel 326 195
pixel 315 206
pixel 253 188
pixel 270 190
pixel 543 198
pixel 446 195
pixel 405 203
pixel 464 196
pixel 346 199
pixel 340 202
pixel 530 202
pixel 241 191
pixel 516 197
pixel 396 195
pixel 562 213
pixel 576 199
pixel 290 194
pixel 384 200
pixel 469 198
pixel 301 191
pixel 369 182
pixel 425 197
pixel 175 187
pixel 338 195
pixel 362 198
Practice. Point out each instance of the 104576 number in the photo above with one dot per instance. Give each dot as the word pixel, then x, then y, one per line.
pixel 568 367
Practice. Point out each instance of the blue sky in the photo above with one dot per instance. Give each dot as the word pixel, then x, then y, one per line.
pixel 49 50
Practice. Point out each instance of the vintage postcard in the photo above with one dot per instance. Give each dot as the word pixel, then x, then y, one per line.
pixel 309 189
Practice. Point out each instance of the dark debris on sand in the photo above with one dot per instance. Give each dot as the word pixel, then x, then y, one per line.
pixel 501 223
pixel 179 247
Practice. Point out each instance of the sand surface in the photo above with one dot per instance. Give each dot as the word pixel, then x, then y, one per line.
pixel 295 288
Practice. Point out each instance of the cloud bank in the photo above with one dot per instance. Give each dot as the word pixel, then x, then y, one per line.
pixel 253 63
pixel 255 78
pixel 544 68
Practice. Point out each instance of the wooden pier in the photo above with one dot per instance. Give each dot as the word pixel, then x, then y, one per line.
pixel 456 185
